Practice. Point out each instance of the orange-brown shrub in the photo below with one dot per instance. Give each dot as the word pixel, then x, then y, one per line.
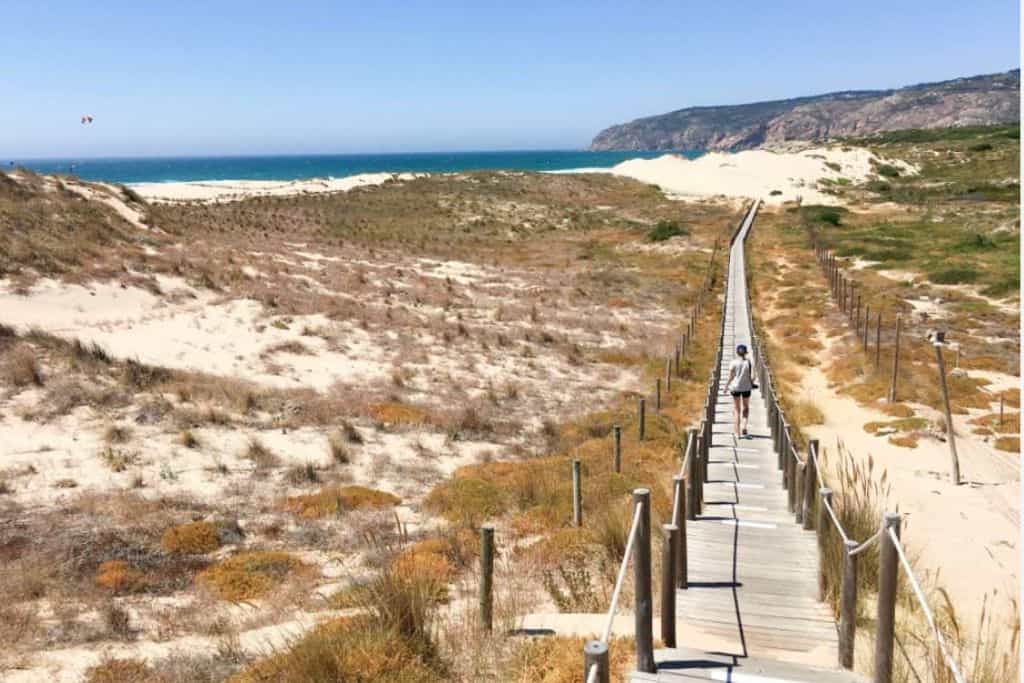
pixel 194 538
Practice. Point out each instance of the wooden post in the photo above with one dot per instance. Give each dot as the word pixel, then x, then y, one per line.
pixel 885 629
pixel 644 608
pixel 641 415
pixel 691 475
pixel 791 492
pixel 823 527
pixel 617 451
pixel 595 653
pixel 810 483
pixel 486 576
pixel 895 359
pixel 669 552
pixel 867 319
pixel 679 372
pixel 668 375
pixel 657 395
pixel 950 432
pixel 577 495
pixel 1001 401
pixel 679 519
pixel 878 342
pixel 848 606
pixel 798 512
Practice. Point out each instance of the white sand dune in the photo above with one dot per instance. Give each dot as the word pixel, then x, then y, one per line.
pixel 756 173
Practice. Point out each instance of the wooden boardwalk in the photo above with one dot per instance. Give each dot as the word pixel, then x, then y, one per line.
pixel 751 609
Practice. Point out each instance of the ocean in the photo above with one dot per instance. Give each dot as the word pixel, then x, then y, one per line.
pixel 170 169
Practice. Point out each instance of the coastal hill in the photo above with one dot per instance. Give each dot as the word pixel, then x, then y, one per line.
pixel 977 100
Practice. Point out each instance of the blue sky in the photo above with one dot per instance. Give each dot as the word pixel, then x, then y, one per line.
pixel 220 77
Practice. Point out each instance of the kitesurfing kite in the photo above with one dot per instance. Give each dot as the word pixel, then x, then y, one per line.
pixel 86 119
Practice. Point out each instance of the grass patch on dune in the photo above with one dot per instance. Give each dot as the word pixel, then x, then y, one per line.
pixel 194 538
pixel 558 659
pixel 334 500
pixel 249 575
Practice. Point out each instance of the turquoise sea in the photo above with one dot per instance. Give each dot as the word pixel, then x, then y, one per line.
pixel 167 169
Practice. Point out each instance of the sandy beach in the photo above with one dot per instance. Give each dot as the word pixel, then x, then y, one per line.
pixel 228 190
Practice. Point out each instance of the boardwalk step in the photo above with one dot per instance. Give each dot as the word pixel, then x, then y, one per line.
pixel 680 665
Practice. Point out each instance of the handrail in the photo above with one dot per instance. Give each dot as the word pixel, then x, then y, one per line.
pixel 592 674
pixel 851 548
pixel 953 668
pixel 622 573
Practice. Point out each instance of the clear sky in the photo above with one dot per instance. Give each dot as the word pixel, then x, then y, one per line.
pixel 226 77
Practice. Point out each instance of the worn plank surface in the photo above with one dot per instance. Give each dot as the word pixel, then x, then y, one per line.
pixel 752 569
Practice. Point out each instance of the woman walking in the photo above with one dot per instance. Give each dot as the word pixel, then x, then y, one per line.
pixel 740 384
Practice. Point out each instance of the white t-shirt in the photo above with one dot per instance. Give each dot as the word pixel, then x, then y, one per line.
pixel 740 371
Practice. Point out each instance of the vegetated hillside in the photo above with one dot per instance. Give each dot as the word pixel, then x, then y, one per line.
pixel 978 100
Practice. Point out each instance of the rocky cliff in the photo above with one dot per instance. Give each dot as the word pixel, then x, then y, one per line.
pixel 978 100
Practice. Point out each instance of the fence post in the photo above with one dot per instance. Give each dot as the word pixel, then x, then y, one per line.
pixel 867 321
pixel 826 497
pixel 791 492
pixel 679 372
pixel 668 374
pixel 950 432
pixel 486 576
pixel 691 475
pixel 888 568
pixel 848 606
pixel 798 512
pixel 1001 401
pixel 669 552
pixel 595 653
pixel 644 609
pixel 642 410
pixel 577 495
pixel 895 360
pixel 617 452
pixel 679 519
pixel 657 395
pixel 878 342
pixel 810 483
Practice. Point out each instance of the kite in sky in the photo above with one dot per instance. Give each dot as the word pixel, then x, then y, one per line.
pixel 86 119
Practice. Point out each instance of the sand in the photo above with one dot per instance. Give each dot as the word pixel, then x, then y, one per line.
pixel 756 173
pixel 229 190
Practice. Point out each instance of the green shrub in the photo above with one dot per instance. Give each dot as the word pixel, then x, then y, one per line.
pixel 980 147
pixel 825 214
pixel 953 276
pixel 887 170
pixel 879 186
pixel 665 230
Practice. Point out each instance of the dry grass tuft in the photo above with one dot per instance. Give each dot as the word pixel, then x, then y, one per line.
pixel 558 659
pixel 398 414
pixel 117 434
pixel 249 575
pixel 119 577
pixel 260 455
pixel 194 538
pixel 21 368
pixel 338 450
pixel 806 413
pixel 119 671
pixel 1008 443
pixel 334 500
pixel 904 440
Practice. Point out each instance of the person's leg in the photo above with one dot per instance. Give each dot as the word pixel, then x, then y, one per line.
pixel 737 410
pixel 746 412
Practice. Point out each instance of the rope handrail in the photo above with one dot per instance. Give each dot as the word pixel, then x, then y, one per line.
pixel 613 607
pixel 950 662
pixel 835 520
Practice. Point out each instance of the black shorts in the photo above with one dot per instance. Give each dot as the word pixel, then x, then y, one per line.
pixel 744 394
